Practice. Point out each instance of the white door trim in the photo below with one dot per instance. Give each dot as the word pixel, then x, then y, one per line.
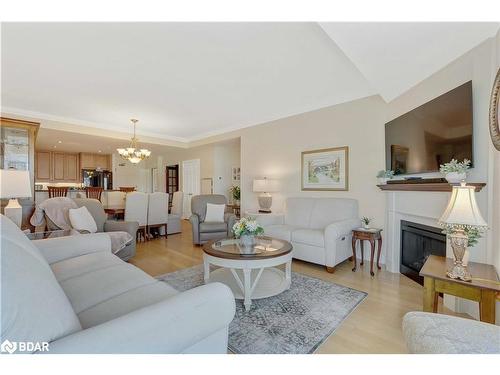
pixel 191 183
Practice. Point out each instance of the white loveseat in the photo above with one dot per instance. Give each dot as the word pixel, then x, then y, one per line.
pixel 318 228
pixel 73 293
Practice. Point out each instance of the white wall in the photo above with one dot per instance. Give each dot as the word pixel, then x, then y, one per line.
pixel 226 156
pixel 274 149
pixel 128 174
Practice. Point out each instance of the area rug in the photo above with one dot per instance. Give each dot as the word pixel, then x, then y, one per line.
pixel 296 321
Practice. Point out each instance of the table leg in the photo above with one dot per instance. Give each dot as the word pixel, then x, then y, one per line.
pixel 372 253
pixel 379 251
pixel 288 273
pixel 206 270
pixel 247 274
pixel 362 246
pixel 354 253
pixel 487 306
pixel 430 295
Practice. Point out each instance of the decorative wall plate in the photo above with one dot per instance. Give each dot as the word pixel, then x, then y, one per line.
pixel 494 126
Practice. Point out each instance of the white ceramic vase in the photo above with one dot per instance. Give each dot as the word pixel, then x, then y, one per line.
pixel 382 180
pixel 455 177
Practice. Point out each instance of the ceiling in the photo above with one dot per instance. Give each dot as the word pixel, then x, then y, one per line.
pixel 187 81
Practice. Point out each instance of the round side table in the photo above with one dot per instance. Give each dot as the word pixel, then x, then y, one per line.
pixel 370 235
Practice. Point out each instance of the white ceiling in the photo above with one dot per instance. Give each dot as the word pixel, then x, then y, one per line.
pixel 396 56
pixel 186 81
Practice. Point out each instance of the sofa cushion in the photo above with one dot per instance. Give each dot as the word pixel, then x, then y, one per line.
pixel 33 305
pixel 124 303
pixel 72 267
pixel 96 210
pixel 329 210
pixel 280 231
pixel 213 227
pixel 298 211
pixel 309 237
pixel 94 287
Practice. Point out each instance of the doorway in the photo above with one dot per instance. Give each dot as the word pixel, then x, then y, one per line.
pixel 171 183
pixel 190 184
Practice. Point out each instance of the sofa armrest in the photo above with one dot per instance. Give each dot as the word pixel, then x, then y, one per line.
pixel 57 249
pixel 121 226
pixel 170 326
pixel 340 228
pixel 268 219
pixel 230 220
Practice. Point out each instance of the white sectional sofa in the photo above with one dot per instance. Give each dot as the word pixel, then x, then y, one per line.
pixel 73 293
pixel 318 228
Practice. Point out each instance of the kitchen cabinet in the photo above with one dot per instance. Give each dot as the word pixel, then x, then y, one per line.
pixel 58 161
pixel 43 166
pixel 56 166
pixel 95 161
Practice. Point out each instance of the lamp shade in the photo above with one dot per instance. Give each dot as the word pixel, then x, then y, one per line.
pixel 462 208
pixel 14 184
pixel 265 186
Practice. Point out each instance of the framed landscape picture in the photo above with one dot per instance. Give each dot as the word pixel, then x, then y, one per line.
pixel 326 169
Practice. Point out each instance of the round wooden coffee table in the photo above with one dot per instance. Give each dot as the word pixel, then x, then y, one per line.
pixel 251 273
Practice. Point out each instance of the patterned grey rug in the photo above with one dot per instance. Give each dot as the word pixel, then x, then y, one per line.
pixel 296 321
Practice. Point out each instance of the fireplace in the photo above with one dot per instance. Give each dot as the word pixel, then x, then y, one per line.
pixel 418 241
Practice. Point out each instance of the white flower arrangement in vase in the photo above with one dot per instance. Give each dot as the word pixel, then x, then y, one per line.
pixel 246 230
pixel 455 171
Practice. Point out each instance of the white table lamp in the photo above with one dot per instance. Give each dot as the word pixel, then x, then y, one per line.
pixel 461 214
pixel 14 184
pixel 265 186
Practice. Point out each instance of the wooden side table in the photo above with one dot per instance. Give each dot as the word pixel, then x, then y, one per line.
pixel 370 235
pixel 479 289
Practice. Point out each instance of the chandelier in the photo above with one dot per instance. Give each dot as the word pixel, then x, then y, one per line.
pixel 132 153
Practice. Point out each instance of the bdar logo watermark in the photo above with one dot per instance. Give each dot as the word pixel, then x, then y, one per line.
pixel 24 346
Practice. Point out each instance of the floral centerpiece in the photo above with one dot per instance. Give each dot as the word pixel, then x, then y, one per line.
pixel 246 230
pixel 455 171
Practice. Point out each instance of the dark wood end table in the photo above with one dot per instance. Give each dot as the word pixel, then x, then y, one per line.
pixel 483 288
pixel 370 235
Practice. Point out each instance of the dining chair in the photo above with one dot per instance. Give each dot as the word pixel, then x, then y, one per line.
pixel 136 209
pixel 127 189
pixel 158 212
pixel 57 191
pixel 93 192
pixel 175 215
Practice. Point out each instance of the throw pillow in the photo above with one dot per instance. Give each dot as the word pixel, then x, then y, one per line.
pixel 215 213
pixel 81 219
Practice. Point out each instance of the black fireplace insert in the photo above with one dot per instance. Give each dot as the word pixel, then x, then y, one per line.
pixel 418 241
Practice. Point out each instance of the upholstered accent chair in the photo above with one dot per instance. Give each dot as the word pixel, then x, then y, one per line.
pixel 204 231
pixel 175 215
pixel 104 225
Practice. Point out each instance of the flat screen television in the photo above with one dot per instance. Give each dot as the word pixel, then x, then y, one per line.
pixel 434 133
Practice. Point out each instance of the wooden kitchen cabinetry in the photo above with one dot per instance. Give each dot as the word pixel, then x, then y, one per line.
pixel 95 161
pixel 57 166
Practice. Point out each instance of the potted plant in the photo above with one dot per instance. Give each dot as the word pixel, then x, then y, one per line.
pixel 366 222
pixel 385 175
pixel 455 171
pixel 246 230
pixel 236 194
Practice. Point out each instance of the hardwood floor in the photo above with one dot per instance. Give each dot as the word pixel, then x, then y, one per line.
pixel 373 327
